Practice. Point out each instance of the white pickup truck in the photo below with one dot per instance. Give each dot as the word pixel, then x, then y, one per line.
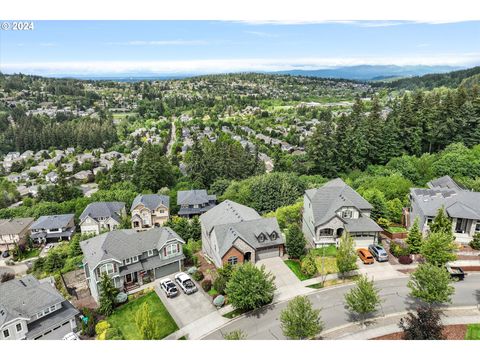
pixel 185 283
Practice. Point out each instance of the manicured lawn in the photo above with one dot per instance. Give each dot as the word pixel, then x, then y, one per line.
pixel 396 229
pixel 124 317
pixel 333 282
pixel 329 250
pixel 329 265
pixel 295 267
pixel 473 332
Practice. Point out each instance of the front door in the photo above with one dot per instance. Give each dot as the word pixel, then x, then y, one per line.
pixel 128 278
pixel 247 257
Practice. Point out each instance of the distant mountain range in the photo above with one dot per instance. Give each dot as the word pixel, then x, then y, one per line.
pixel 372 72
pixel 359 73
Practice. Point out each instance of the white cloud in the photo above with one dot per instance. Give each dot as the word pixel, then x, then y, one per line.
pixel 160 42
pixel 211 66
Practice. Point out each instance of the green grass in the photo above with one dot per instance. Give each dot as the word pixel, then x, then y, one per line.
pixel 473 332
pixel 124 317
pixel 329 265
pixel 396 229
pixel 234 313
pixel 30 253
pixel 329 250
pixel 295 267
pixel 213 292
pixel 334 282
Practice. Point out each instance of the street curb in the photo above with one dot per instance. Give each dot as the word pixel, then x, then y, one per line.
pixel 453 308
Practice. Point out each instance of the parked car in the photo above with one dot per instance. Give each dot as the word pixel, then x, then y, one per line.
pixel 378 252
pixel 365 256
pixel 456 272
pixel 169 287
pixel 185 283
pixel 5 254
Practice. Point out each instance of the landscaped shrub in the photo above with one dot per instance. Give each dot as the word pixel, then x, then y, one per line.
pixel 88 327
pixel 206 285
pixel 113 334
pixel 384 223
pixel 405 259
pixel 197 275
pixel 220 283
pixel 398 250
pixel 475 243
pixel 308 265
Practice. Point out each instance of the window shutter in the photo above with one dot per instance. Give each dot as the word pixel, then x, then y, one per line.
pixel 178 247
pixel 165 251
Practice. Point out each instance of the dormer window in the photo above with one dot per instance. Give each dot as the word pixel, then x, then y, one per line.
pixel 150 253
pixel 261 237
pixel 347 214
pixel 274 236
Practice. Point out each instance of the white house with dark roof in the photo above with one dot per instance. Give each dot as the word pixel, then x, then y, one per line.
pixel 34 310
pixel 102 216
pixel 151 210
pixel 334 208
pixel 234 233
pixel 53 228
pixel 194 202
pixel 129 257
pixel 462 207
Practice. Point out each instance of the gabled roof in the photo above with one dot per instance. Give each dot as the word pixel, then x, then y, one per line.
pixel 122 244
pixel 23 298
pixel 332 196
pixel 103 209
pixel 458 202
pixel 227 212
pixel 52 222
pixel 194 197
pixel 151 201
pixel 230 221
pixel 14 226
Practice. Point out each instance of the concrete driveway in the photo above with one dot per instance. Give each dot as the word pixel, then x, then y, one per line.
pixel 185 309
pixel 379 270
pixel 288 285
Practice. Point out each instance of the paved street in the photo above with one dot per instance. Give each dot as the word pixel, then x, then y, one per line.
pixel 264 323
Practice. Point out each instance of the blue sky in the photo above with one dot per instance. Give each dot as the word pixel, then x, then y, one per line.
pixel 169 47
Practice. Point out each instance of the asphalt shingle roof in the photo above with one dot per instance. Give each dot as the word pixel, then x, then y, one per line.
pixel 103 209
pixel 194 197
pixel 332 196
pixel 122 244
pixel 14 226
pixel 150 201
pixel 52 222
pixel 26 297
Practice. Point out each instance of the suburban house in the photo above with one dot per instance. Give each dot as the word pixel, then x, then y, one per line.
pixel 53 228
pixel 131 258
pixel 102 216
pixel 334 208
pixel 461 205
pixel 194 202
pixel 233 233
pixel 14 231
pixel 149 211
pixel 34 310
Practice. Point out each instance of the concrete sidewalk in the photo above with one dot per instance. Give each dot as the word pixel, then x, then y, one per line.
pixel 389 324
pixel 200 327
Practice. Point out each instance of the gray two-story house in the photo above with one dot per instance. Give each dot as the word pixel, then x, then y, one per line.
pixel 53 228
pixel 128 257
pixel 195 202
pixel 334 208
pixel 102 216
pixel 461 205
pixel 34 310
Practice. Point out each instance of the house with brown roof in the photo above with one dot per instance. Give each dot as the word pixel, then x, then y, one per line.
pixel 14 231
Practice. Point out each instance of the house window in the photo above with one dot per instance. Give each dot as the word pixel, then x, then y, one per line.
pixel 347 214
pixel 18 327
pixel 39 315
pixel 150 253
pixel 274 236
pixel 127 261
pixel 477 227
pixel 232 260
pixel 135 259
pixel 171 249
pixel 52 308
pixel 6 333
pixel 261 237
pixel 325 232
pixel 107 268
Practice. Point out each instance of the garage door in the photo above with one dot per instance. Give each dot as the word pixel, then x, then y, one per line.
pixel 166 270
pixel 364 242
pixel 269 252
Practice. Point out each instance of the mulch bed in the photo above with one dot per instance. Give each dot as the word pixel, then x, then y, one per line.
pixel 451 332
pixel 205 267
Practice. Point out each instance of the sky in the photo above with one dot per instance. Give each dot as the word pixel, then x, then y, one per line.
pixel 195 47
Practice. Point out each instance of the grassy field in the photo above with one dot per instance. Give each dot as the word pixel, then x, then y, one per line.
pixel 329 250
pixel 329 265
pixel 333 282
pixel 473 332
pixel 329 262
pixel 124 317
pixel 396 229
